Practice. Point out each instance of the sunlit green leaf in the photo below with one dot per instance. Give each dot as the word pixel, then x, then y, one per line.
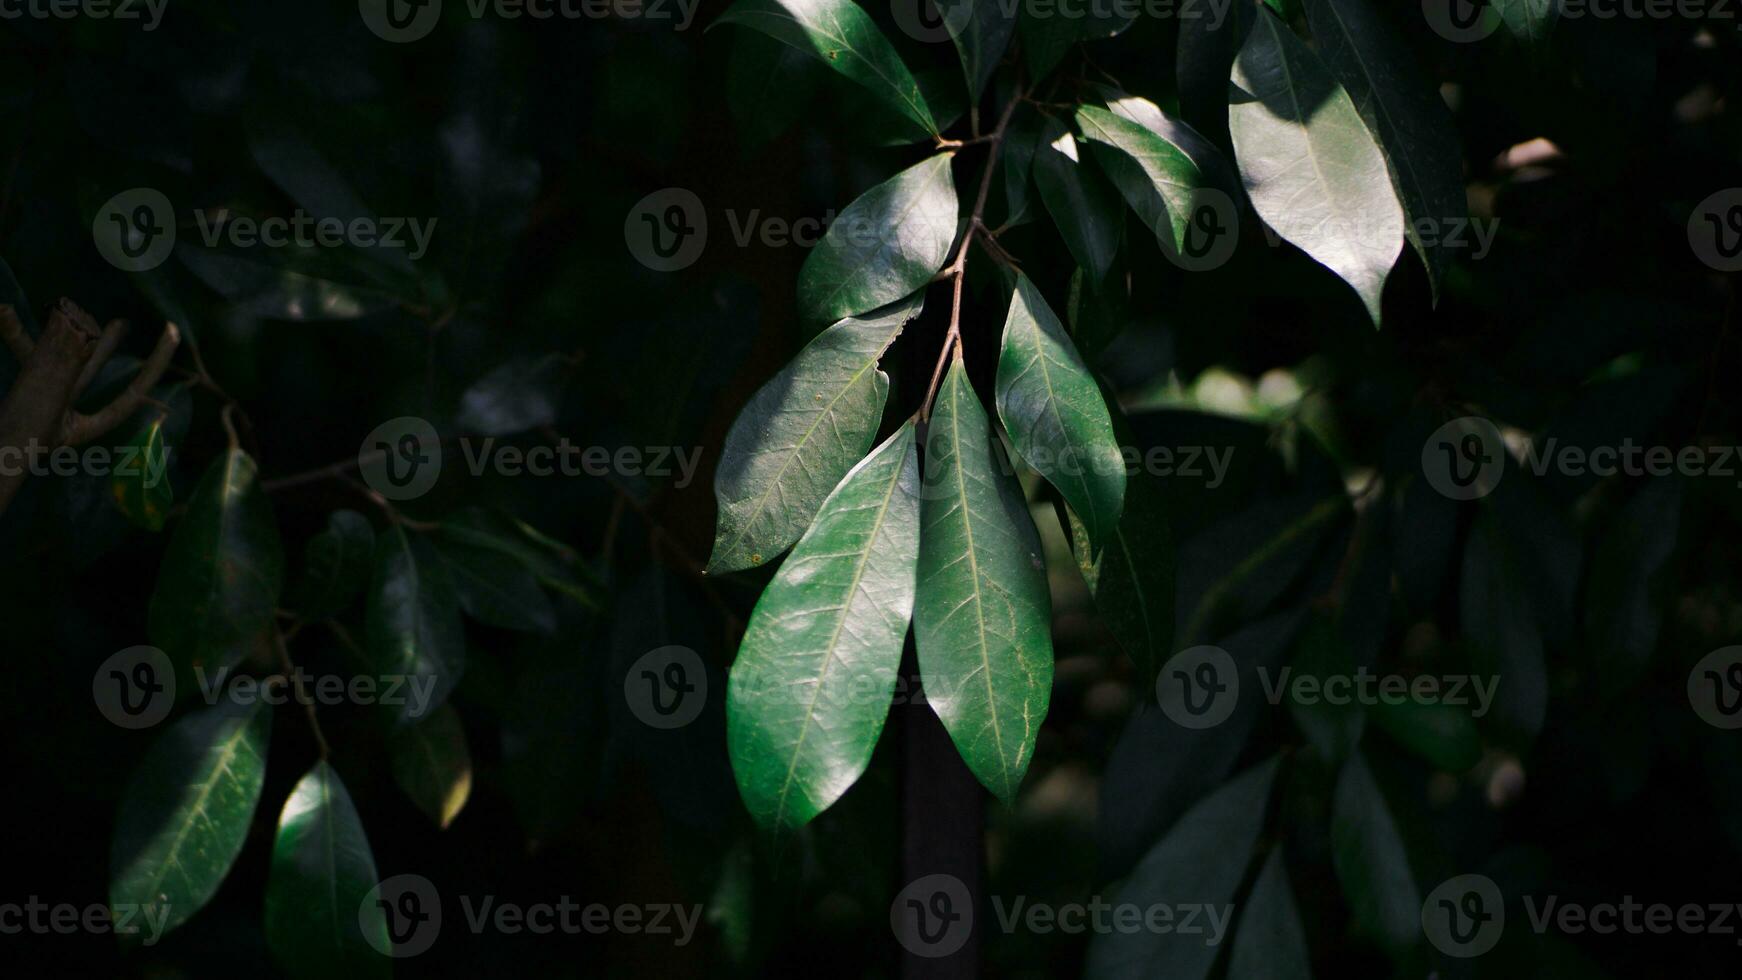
pixel 884 246
pixel 317 924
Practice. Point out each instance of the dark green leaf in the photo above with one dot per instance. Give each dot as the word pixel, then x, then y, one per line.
pixel 221 575
pixel 981 30
pixel 336 565
pixel 412 621
pixel 1311 166
pixel 1623 601
pixel 1083 205
pixel 1332 729
pixel 841 35
pixel 983 621
pixel 884 246
pixel 1134 578
pixel 1404 110
pixel 814 676
pixel 1153 169
pixel 1200 862
pixel 317 924
pixel 1371 862
pixel 522 394
pixel 553 563
pixel 140 481
pixel 186 812
pixel 1271 942
pixel 799 434
pixel 1054 412
pixel 1505 632
pixel 1443 734
pixel 495 588
pixel 432 764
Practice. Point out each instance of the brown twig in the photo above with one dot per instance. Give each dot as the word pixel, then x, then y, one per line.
pixel 957 269
pixel 282 639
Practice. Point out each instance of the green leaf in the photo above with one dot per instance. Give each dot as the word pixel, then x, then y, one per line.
pixel 1443 734
pixel 525 393
pixel 980 30
pixel 322 869
pixel 1404 111
pixel 1504 631
pixel 336 565
pixel 1332 729
pixel 768 87
pixel 842 36
pixel 1155 170
pixel 412 621
pixel 497 589
pixel 1049 32
pixel 983 621
pixel 432 764
pixel 1201 861
pixel 799 434
pixel 1313 171
pixel 1271 942
pixel 554 564
pixel 186 812
pixel 139 484
pixel 884 246
pixel 1054 412
pixel 1370 860
pixel 1529 22
pixel 1623 610
pixel 222 572
pixel 1085 208
pixel 813 680
pixel 1134 578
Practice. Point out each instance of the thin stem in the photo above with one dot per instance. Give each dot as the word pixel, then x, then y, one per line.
pixel 958 268
pixel 302 695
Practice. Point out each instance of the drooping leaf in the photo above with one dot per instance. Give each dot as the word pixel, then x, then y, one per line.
pixel 814 676
pixel 433 765
pixel 1270 943
pixel 554 564
pixel 187 809
pixel 1333 729
pixel 1505 632
pixel 1054 412
pixel 495 588
pixel 884 246
pixel 317 923
pixel 1623 606
pixel 799 434
pixel 412 621
pixel 1049 32
pixel 1404 110
pixel 222 572
pixel 980 30
pixel 1312 168
pixel 1157 171
pixel 1200 862
pixel 841 35
pixel 522 394
pixel 336 565
pixel 1444 734
pixel 983 620
pixel 1370 860
pixel 1134 577
pixel 1083 205
pixel 140 481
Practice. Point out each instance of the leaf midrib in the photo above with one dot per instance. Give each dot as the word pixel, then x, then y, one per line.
pixel 974 569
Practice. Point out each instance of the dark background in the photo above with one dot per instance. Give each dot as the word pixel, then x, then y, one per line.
pixel 1592 319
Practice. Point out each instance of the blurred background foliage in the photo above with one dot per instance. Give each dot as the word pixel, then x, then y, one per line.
pixel 1590 320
